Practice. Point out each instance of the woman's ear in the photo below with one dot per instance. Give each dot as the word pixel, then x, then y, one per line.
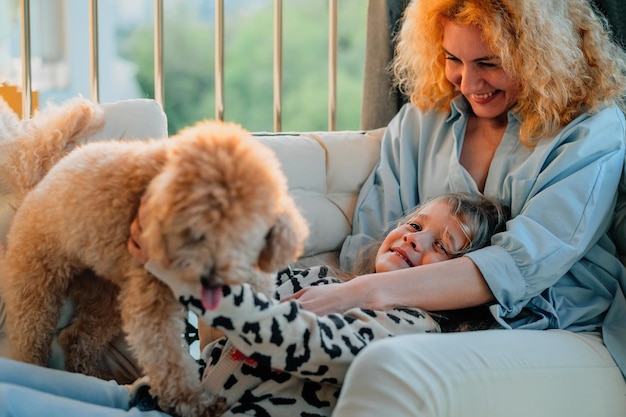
pixel 284 242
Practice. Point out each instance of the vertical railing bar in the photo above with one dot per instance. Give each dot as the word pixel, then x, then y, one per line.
pixel 27 97
pixel 219 59
pixel 278 65
pixel 93 51
pixel 332 65
pixel 158 52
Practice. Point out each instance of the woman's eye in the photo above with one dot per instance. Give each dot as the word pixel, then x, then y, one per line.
pixel 416 226
pixel 488 65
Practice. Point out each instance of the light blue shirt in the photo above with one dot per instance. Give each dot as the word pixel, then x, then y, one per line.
pixel 554 266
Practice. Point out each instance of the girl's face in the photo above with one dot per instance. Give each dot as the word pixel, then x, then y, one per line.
pixel 476 72
pixel 432 235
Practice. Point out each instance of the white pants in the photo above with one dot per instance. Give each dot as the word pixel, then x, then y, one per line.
pixel 494 373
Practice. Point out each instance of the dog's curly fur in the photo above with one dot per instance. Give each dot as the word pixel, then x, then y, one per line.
pixel 217 211
pixel 30 147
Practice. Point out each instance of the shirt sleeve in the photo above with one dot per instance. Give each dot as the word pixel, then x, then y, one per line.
pixel 560 210
pixel 286 337
pixel 291 280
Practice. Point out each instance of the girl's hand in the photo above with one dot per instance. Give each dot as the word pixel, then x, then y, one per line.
pixel 134 240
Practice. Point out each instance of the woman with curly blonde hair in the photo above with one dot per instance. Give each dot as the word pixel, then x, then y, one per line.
pixel 521 101
pixel 559 75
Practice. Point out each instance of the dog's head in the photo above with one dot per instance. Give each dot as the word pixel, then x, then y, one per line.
pixel 219 212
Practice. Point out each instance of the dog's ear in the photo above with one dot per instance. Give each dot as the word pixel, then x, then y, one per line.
pixel 153 237
pixel 158 247
pixel 284 242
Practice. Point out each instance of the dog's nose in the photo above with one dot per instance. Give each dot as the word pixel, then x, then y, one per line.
pixel 207 279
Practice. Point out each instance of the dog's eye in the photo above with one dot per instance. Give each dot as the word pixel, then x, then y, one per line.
pixel 197 237
pixel 194 236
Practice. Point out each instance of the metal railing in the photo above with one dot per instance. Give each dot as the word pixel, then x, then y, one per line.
pixel 27 90
pixel 159 54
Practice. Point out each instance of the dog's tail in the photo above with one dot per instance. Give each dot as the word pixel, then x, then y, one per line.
pixel 35 145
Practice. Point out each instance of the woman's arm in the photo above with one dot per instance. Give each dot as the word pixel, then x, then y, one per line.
pixel 448 285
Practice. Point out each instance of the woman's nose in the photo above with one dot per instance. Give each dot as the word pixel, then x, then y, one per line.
pixel 470 80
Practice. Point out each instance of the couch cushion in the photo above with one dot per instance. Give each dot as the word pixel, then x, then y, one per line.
pixel 325 171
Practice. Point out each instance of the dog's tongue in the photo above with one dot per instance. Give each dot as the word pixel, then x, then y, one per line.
pixel 211 297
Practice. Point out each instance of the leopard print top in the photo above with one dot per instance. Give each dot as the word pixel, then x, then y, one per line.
pixel 278 359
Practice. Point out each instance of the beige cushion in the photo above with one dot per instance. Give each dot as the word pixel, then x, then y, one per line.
pixel 325 171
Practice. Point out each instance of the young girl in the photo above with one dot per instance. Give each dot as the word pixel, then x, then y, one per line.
pixel 276 359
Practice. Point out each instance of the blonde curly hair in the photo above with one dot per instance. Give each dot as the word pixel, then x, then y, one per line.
pixel 559 51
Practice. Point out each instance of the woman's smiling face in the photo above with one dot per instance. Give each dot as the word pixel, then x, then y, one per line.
pixel 476 72
pixel 432 235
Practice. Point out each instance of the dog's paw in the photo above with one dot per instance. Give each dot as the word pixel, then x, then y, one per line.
pixel 194 405
pixel 140 397
pixel 218 407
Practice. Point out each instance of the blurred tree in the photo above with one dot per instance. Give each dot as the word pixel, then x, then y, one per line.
pixel 189 65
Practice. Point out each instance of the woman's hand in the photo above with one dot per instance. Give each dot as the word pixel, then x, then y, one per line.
pixel 323 299
pixel 333 298
pixel 134 240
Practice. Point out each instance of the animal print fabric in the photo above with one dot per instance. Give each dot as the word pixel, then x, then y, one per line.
pixel 280 360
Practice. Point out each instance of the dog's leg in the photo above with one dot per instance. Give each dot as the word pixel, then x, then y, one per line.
pixel 96 321
pixel 153 321
pixel 33 294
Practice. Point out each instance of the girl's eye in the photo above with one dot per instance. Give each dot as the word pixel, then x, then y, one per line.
pixel 416 226
pixel 442 248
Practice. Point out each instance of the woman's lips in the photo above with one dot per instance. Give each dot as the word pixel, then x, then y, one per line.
pixel 483 98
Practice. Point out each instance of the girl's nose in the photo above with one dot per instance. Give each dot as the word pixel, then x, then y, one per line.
pixel 419 241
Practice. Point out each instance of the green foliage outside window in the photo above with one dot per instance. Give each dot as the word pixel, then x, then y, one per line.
pixel 189 45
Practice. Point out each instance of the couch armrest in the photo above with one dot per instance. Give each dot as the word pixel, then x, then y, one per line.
pixel 325 172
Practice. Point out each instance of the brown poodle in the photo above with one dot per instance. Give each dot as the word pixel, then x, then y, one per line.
pixel 217 211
